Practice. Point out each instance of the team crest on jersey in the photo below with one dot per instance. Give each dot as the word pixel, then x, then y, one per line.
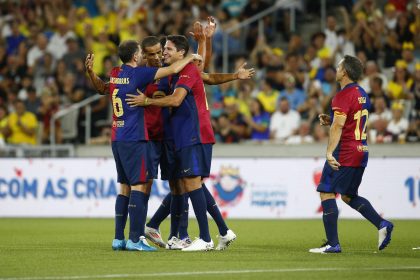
pixel 228 186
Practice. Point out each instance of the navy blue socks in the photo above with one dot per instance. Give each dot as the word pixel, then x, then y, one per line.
pixel 330 217
pixel 363 206
pixel 177 207
pixel 121 213
pixel 183 225
pixel 162 212
pixel 198 200
pixel 136 211
pixel 214 211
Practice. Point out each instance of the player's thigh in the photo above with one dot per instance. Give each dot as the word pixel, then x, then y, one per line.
pixel 133 156
pixel 121 176
pixel 168 161
pixel 154 152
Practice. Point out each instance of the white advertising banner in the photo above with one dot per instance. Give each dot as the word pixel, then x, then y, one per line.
pixel 243 188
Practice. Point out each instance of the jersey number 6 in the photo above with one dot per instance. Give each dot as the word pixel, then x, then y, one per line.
pixel 117 104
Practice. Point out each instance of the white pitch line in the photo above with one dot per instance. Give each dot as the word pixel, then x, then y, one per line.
pixel 192 273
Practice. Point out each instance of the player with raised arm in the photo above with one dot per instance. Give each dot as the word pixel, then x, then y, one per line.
pixel 347 156
pixel 129 137
pixel 194 135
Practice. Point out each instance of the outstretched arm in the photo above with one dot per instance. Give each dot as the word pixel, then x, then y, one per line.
pixel 98 84
pixel 220 78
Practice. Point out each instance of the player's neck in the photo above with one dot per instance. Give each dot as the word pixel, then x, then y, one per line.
pixel 131 63
pixel 345 81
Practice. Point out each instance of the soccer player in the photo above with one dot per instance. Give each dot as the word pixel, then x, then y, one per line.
pixel 193 137
pixel 129 141
pixel 347 156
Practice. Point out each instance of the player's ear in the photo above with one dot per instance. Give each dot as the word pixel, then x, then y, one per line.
pixel 182 52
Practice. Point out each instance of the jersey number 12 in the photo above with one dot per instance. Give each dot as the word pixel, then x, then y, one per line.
pixel 357 118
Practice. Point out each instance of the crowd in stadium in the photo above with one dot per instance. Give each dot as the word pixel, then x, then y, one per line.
pixel 43 46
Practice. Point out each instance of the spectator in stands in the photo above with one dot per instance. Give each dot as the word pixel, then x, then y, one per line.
pixel 376 91
pixel 381 111
pixel 408 56
pixel 236 119
pixel 400 86
pixel 416 92
pixel 392 49
pixel 398 125
pixel 390 17
pixel 14 39
pixel 294 67
pixel 303 136
pixel 3 124
pixel 225 131
pixel 331 38
pixel 268 97
pixel 372 70
pixel 258 123
pixel 37 51
pixel 320 133
pixel 295 96
pixel 378 133
pixel 21 126
pixel 32 102
pixel 73 55
pixel 284 122
pixel 49 106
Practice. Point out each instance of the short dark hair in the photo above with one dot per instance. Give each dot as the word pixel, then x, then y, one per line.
pixel 378 80
pixel 149 41
pixel 127 49
pixel 180 42
pixel 353 67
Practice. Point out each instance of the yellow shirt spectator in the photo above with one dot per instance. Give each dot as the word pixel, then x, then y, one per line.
pixel 22 125
pixel 269 100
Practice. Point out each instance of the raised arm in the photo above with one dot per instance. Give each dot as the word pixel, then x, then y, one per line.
pixel 220 78
pixel 209 31
pixel 199 36
pixel 175 67
pixel 98 84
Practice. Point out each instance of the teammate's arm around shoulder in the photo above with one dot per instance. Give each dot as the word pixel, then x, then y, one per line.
pixel 176 67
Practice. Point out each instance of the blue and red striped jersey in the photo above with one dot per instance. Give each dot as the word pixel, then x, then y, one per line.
pixel 191 120
pixel 128 123
pixel 352 102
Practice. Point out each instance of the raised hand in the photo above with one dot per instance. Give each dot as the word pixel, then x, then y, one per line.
pixel 210 28
pixel 198 32
pixel 245 74
pixel 89 62
pixel 324 119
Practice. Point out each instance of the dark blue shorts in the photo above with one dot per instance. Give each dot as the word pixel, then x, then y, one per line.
pixel 346 180
pixel 154 153
pixel 167 161
pixel 194 161
pixel 131 162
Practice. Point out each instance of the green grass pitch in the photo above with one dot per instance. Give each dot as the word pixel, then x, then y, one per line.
pixel 265 249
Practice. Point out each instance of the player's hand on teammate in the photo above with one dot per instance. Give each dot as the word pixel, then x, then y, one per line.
pixel 333 162
pixel 245 74
pixel 324 119
pixel 198 32
pixel 210 28
pixel 136 100
pixel 89 62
